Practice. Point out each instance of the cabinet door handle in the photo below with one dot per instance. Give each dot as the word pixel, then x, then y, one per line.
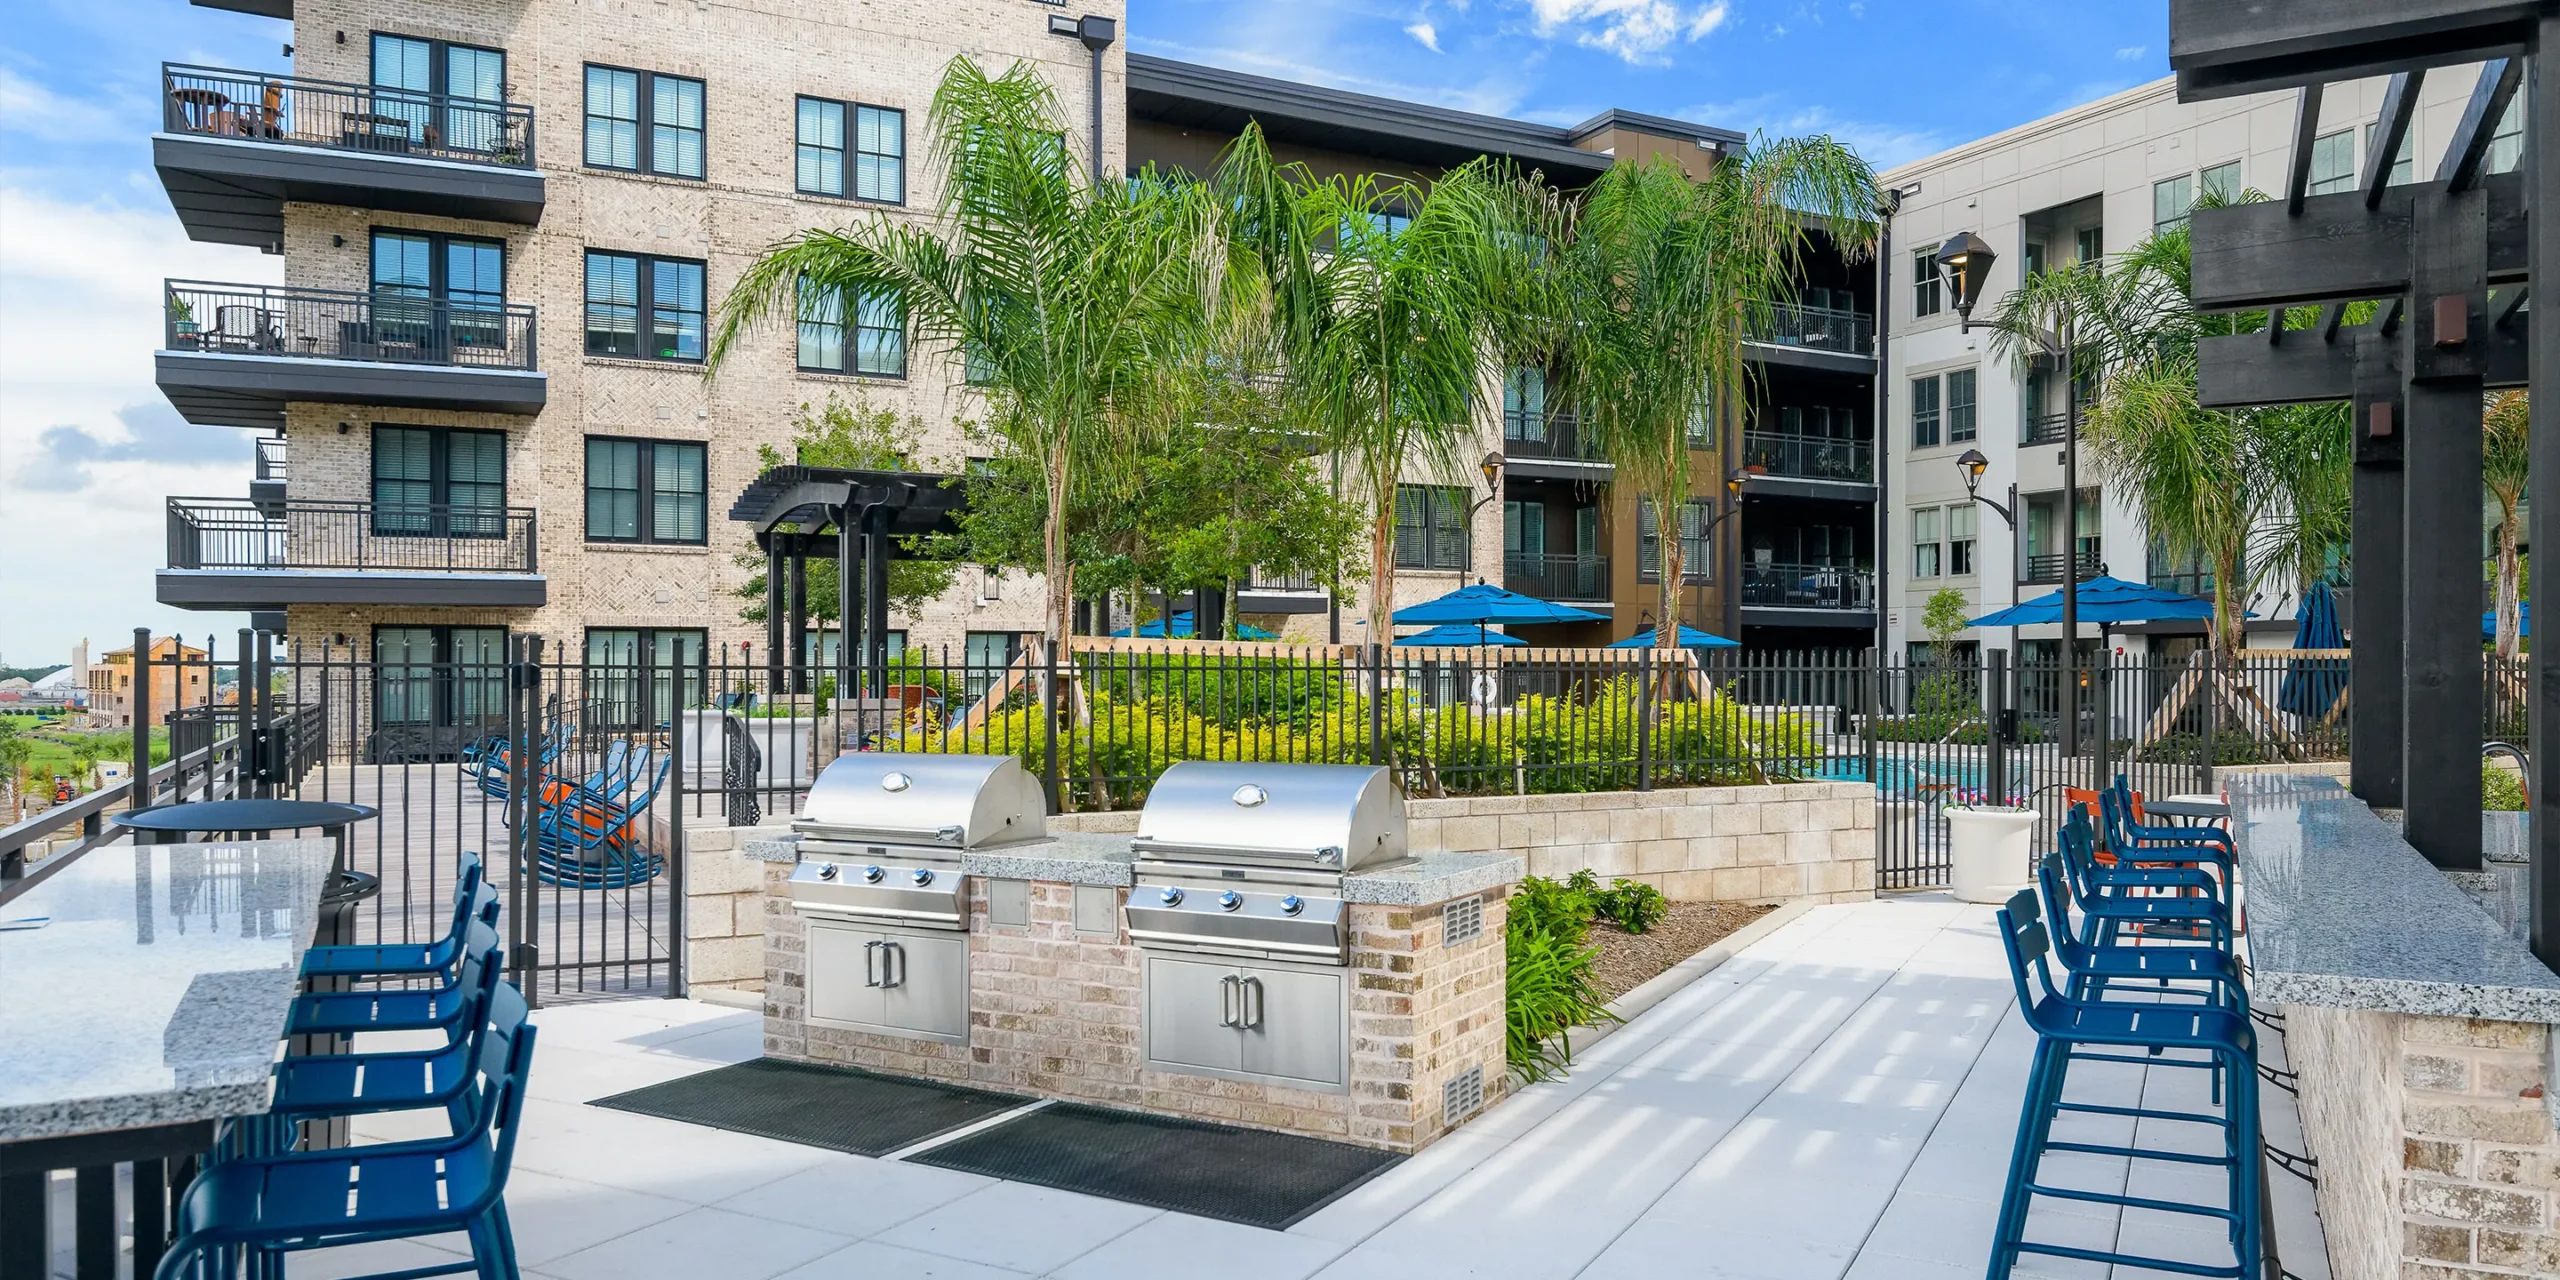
pixel 1252 1002
pixel 893 964
pixel 871 963
pixel 1230 998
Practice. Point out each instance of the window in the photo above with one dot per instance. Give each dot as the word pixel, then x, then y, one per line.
pixel 439 482
pixel 1960 416
pixel 1925 546
pixel 1524 530
pixel 984 655
pixel 826 644
pixel 1702 426
pixel 624 287
pixel 1524 403
pixel 2170 200
pixel 2404 166
pixel 1926 285
pixel 2091 244
pixel 2506 145
pixel 877 329
pixel 1962 523
pixel 447 677
pixel 877 144
pixel 1696 563
pixel 1924 412
pixel 2333 162
pixel 645 491
pixel 2222 181
pixel 644 122
pixel 433 293
pixel 1431 527
pixel 622 660
pixel 434 86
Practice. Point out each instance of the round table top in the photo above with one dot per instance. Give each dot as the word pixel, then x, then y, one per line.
pixel 201 96
pixel 2187 807
pixel 244 815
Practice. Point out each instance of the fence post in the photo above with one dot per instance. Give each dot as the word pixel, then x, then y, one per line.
pixel 676 935
pixel 1644 717
pixel 2212 720
pixel 1049 703
pixel 139 797
pixel 1374 658
pixel 1995 688
pixel 524 686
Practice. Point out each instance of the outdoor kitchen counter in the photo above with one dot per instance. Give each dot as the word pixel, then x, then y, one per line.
pixel 1433 877
pixel 2342 913
pixel 1065 857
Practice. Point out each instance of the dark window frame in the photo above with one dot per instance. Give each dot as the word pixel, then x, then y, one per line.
pixel 644 123
pixel 612 703
pixel 849 341
pixel 849 156
pixel 1697 550
pixel 644 304
pixel 440 520
pixel 439 90
pixel 439 267
pixel 1437 501
pixel 644 521
pixel 1928 286
pixel 444 674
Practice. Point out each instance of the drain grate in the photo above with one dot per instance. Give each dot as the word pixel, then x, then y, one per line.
pixel 1462 921
pixel 1462 1096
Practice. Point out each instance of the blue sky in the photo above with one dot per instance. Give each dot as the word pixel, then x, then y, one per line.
pixel 89 450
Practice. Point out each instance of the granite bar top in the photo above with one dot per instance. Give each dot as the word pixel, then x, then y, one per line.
pixel 1434 877
pixel 2343 913
pixel 157 991
pixel 1081 857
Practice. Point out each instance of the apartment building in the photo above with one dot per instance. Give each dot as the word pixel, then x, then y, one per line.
pixel 1538 511
pixel 2067 189
pixel 180 679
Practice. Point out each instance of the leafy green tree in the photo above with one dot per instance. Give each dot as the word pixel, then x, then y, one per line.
pixel 1942 692
pixel 2507 426
pixel 1058 296
pixel 1663 282
pixel 861 437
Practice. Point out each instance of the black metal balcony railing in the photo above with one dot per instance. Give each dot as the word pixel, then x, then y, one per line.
pixel 306 533
pixel 2050 428
pixel 340 324
pixel 1808 586
pixel 1809 457
pixel 1830 328
pixel 328 114
pixel 271 458
pixel 2198 583
pixel 1269 580
pixel 2048 568
pixel 1556 577
pixel 1557 435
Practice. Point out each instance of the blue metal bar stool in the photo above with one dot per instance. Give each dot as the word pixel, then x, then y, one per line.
pixel 2092 963
pixel 338 1013
pixel 2069 1030
pixel 298 1201
pixel 473 897
pixel 2137 833
pixel 2102 897
pixel 334 1085
pixel 2136 869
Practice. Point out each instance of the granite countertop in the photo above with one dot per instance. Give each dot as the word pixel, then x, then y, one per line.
pixel 2343 913
pixel 157 991
pixel 1065 857
pixel 1433 877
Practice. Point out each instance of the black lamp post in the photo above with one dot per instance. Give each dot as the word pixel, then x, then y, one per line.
pixel 1972 465
pixel 1095 34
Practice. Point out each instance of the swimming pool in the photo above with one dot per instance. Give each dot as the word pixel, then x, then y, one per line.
pixel 1949 781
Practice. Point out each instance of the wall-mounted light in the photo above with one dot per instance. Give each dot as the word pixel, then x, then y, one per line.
pixel 345 427
pixel 337 242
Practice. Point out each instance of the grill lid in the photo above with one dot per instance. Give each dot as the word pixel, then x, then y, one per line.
pixel 1335 817
pixel 950 801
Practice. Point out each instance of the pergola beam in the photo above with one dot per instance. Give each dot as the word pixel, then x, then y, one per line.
pixel 2469 149
pixel 2240 371
pixel 2224 49
pixel 2390 129
pixel 2306 129
pixel 2251 256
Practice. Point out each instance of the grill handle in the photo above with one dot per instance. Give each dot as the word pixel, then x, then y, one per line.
pixel 1230 1001
pixel 871 963
pixel 893 964
pixel 1250 1005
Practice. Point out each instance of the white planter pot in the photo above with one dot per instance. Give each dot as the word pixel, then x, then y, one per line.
pixel 783 744
pixel 1990 851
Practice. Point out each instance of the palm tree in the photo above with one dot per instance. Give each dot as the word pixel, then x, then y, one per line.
pixel 2508 427
pixel 1387 305
pixel 1059 297
pixel 2251 492
pixel 1665 279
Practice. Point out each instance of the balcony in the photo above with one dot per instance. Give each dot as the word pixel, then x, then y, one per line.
pixel 1553 448
pixel 267 488
pixel 1830 588
pixel 1579 579
pixel 1810 457
pixel 233 355
pixel 1818 337
pixel 226 553
pixel 235 146
pixel 2047 569
pixel 2050 428
pixel 1270 592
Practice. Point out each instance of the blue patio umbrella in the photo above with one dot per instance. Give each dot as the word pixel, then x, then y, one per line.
pixel 2105 602
pixel 1178 627
pixel 1690 638
pixel 1490 605
pixel 1457 633
pixel 2312 685
pixel 2524 621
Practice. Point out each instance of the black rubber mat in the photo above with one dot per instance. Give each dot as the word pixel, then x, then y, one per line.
pixel 839 1108
pixel 1241 1175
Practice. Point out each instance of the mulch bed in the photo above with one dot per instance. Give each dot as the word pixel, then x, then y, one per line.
pixel 1627 960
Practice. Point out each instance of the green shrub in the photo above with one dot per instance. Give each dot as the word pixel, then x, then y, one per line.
pixel 1919 728
pixel 1562 909
pixel 2500 789
pixel 2231 746
pixel 1548 984
pixel 1633 905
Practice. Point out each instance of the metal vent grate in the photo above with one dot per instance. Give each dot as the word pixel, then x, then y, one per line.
pixel 1462 921
pixel 1462 1096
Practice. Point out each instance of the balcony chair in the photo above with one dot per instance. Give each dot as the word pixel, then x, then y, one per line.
pixel 589 837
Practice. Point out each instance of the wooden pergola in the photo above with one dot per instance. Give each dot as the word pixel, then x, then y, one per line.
pixel 2449 263
pixel 856 519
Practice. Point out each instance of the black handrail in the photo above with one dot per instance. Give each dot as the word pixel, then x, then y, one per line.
pixel 319 533
pixel 297 111
pixel 1556 577
pixel 380 326
pixel 1809 457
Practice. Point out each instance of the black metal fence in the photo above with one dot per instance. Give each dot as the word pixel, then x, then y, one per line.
pixel 1556 577
pixel 382 326
pixel 315 533
pixel 297 111
pixel 1809 457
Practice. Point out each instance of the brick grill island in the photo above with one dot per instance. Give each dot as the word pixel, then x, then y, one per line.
pixel 1391 1050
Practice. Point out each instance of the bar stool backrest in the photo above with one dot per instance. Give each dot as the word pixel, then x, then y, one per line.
pixel 2056 898
pixel 2023 939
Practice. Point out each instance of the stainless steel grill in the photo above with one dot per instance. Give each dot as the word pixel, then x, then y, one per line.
pixel 882 835
pixel 1248 859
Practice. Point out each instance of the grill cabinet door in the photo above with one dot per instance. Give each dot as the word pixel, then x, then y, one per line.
pixel 1186 1002
pixel 932 995
pixel 837 956
pixel 1297 1032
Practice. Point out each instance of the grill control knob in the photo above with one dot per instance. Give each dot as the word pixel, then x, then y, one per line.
pixel 923 876
pixel 1292 904
pixel 1171 897
pixel 871 874
pixel 1230 900
pixel 826 871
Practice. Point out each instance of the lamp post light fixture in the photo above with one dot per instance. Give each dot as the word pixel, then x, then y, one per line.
pixel 1966 259
pixel 1096 34
pixel 1971 466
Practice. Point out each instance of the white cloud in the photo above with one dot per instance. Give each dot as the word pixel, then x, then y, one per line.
pixel 1881 145
pixel 2132 53
pixel 1708 19
pixel 1424 32
pixel 1635 30
pixel 32 109
pixel 1496 95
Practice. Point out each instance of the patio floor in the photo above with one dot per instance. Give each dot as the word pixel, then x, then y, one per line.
pixel 1837 1100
